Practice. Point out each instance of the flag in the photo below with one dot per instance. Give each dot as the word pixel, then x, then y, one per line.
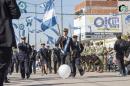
pixel 31 31
pixel 39 20
pixel 15 26
pixel 29 21
pixel 50 39
pixel 49 17
pixel 55 31
pixel 16 37
pixel 28 38
pixel 48 42
pixel 38 31
pixel 23 32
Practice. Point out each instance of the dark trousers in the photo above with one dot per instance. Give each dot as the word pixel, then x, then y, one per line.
pixel 5 57
pixel 13 66
pixel 66 59
pixel 17 66
pixel 121 66
pixel 11 69
pixel 6 74
pixel 56 65
pixel 49 66
pixel 76 63
pixel 32 65
pixel 24 69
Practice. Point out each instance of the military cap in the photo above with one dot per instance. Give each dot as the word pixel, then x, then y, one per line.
pixel 33 46
pixel 23 37
pixel 65 30
pixel 75 36
pixel 42 43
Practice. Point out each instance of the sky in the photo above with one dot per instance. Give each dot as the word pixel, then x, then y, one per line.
pixel 68 8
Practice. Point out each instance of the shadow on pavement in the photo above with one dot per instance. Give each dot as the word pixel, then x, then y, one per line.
pixel 103 76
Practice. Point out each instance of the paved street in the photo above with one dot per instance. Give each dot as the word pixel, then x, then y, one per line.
pixel 89 79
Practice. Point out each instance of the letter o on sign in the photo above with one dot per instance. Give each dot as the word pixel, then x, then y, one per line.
pixel 99 22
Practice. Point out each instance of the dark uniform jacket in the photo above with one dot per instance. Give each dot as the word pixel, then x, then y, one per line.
pixel 15 57
pixel 8 11
pixel 33 55
pixel 49 54
pixel 56 53
pixel 62 42
pixel 24 51
pixel 128 49
pixel 77 49
pixel 43 54
pixel 120 47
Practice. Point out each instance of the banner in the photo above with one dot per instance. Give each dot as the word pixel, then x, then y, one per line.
pixel 99 23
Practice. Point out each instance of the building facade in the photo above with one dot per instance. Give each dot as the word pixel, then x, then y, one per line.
pixel 101 19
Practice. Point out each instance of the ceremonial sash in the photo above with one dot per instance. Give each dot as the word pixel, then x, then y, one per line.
pixel 64 51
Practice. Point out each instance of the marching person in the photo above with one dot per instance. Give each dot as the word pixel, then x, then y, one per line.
pixel 56 58
pixel 66 45
pixel 128 49
pixel 8 10
pixel 33 60
pixel 43 59
pixel 14 61
pixel 127 60
pixel 120 48
pixel 77 50
pixel 24 57
pixel 49 53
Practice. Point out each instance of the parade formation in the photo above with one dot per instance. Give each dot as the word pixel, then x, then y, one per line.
pixel 68 54
pixel 84 57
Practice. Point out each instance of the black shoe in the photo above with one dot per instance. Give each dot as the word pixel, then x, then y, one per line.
pixel 34 72
pixel 82 73
pixel 22 78
pixel 28 76
pixel 55 72
pixel 7 81
pixel 72 75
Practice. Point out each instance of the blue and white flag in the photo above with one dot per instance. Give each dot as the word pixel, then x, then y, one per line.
pixel 38 19
pixel 32 31
pixel 29 21
pixel 48 42
pixel 16 37
pixel 23 6
pixel 15 26
pixel 23 32
pixel 55 31
pixel 50 39
pixel 49 18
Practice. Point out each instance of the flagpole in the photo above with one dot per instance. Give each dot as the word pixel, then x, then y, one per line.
pixel 19 31
pixel 70 27
pixel 28 35
pixel 35 27
pixel 71 32
pixel 59 29
pixel 61 17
